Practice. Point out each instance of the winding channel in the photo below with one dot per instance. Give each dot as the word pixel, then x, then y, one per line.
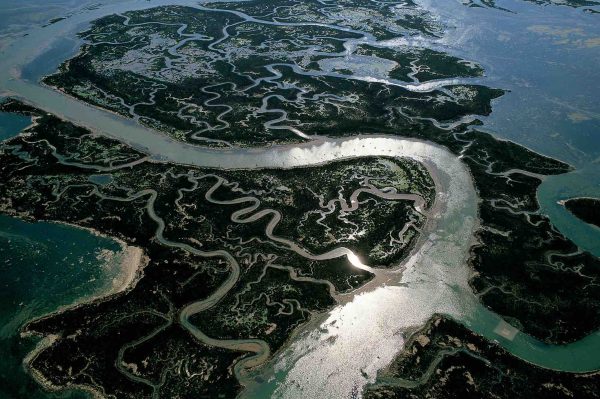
pixel 336 353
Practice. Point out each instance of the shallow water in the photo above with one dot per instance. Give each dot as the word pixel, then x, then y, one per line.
pixel 48 62
pixel 553 78
pixel 547 57
pixel 12 124
pixel 44 266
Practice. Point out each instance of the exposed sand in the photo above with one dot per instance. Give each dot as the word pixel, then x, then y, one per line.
pixel 132 262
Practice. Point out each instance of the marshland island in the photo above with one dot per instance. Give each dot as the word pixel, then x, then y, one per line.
pixel 312 208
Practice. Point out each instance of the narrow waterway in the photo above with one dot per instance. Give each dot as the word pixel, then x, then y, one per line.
pixel 339 352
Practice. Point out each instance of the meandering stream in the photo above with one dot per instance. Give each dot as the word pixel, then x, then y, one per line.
pixel 338 352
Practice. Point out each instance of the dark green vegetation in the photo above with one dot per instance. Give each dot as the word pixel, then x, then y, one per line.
pixel 247 81
pixel 215 78
pixel 525 269
pixel 446 360
pixel 132 345
pixel 586 209
pixel 383 20
pixel 221 78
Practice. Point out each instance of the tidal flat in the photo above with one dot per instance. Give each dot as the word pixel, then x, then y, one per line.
pixel 287 97
pixel 182 217
pixel 279 166
pixel 45 267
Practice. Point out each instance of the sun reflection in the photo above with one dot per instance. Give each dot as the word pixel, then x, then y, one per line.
pixel 356 262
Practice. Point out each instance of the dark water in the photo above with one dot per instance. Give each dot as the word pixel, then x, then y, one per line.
pixel 42 266
pixel 12 124
pixel 547 57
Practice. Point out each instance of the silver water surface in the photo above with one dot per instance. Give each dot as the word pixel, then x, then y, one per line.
pixel 359 337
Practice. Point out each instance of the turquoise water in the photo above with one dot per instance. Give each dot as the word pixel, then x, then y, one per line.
pixel 583 182
pixel 552 107
pixel 547 59
pixel 43 266
pixel 579 356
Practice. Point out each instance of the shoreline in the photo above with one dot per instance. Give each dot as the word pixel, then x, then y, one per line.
pixel 132 261
pixel 45 343
pixel 564 201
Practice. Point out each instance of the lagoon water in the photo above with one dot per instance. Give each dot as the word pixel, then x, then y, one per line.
pixel 12 124
pixel 547 57
pixel 44 266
